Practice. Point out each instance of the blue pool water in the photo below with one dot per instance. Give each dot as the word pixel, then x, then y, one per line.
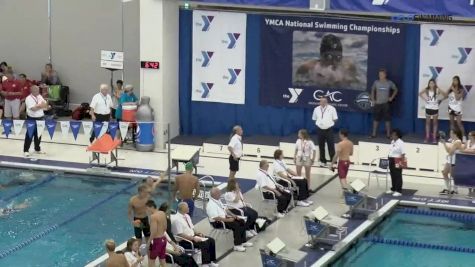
pixel 417 228
pixel 61 198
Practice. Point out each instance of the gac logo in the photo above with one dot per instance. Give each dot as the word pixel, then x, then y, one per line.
pixel 332 96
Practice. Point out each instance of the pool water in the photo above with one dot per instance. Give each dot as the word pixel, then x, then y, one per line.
pixel 64 198
pixel 417 228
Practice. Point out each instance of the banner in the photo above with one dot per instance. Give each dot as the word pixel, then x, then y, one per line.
pixel 446 51
pixel 123 127
pixel 51 127
pixel 87 127
pixel 461 8
pixel 286 3
pixel 305 58
pixel 97 128
pixel 219 52
pixel 30 128
pixel 64 128
pixel 7 126
pixel 40 127
pixel 17 126
pixel 75 127
pixel 105 127
pixel 113 125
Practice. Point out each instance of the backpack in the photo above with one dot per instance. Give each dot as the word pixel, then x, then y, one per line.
pixel 81 112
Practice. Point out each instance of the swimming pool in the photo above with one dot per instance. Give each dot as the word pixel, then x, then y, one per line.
pixel 431 238
pixel 67 219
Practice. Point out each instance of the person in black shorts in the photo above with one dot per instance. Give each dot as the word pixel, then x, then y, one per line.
pixel 383 93
pixel 235 150
pixel 137 212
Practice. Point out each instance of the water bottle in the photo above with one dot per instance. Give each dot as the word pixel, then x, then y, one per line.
pixel 146 127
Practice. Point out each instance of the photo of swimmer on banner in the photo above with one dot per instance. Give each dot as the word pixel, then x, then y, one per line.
pixel 330 60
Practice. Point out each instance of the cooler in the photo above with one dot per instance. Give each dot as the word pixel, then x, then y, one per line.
pixel 128 112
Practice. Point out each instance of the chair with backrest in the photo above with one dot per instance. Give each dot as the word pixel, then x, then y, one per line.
pixel 272 201
pixel 289 186
pixel 216 231
pixel 379 168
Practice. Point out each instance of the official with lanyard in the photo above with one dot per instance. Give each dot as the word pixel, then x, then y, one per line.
pixel 35 107
pixel 269 184
pixel 100 106
pixel 325 116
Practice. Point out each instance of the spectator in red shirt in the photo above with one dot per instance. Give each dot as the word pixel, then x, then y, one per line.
pixel 25 85
pixel 12 92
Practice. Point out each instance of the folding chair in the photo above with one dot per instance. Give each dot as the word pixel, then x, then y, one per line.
pixel 289 186
pixel 170 257
pixel 272 201
pixel 381 170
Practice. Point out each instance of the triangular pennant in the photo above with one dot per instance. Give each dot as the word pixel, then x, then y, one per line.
pixel 40 127
pixel 123 127
pixel 113 125
pixel 7 126
pixel 17 126
pixel 30 127
pixel 64 128
pixel 97 128
pixel 75 127
pixel 87 127
pixel 51 127
pixel 105 126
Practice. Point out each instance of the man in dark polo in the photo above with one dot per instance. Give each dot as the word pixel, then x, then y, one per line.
pixel 383 93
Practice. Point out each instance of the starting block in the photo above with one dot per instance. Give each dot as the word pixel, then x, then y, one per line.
pixel 104 145
pixel 359 202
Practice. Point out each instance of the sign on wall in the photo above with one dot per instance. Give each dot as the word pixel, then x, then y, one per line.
pixel 446 51
pixel 305 58
pixel 219 57
pixel 112 60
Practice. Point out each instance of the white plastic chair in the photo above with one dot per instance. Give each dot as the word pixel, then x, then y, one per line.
pixel 379 168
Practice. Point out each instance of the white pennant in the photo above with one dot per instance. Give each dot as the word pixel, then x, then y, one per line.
pixel 123 127
pixel 105 127
pixel 87 127
pixel 17 126
pixel 64 128
pixel 40 127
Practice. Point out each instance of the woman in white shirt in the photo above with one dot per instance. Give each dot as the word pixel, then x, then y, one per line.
pixel 396 157
pixel 430 95
pixel 235 150
pixel 455 146
pixel 456 94
pixel 132 253
pixel 235 202
pixel 305 153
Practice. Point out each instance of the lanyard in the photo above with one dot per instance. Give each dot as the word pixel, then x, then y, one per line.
pixel 281 164
pixel 304 145
pixel 35 99
pixel 186 220
pixel 323 110
pixel 105 100
pixel 270 177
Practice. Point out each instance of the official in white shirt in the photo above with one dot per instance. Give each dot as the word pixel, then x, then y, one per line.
pixel 100 107
pixel 286 176
pixel 325 117
pixel 235 202
pixel 396 153
pixel 183 227
pixel 268 184
pixel 217 213
pixel 235 150
pixel 35 107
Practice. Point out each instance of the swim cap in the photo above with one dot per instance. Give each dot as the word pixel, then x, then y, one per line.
pixel 189 166
pixel 331 49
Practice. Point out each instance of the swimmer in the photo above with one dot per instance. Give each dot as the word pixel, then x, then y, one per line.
pixel 23 180
pixel 6 210
pixel 158 241
pixel 154 182
pixel 344 149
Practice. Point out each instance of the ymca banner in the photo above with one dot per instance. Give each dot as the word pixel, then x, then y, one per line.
pixel 446 51
pixel 461 8
pixel 287 3
pixel 219 52
pixel 305 58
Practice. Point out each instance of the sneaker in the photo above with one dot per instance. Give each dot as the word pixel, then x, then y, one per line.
pixel 239 248
pixel 390 192
pixel 323 164
pixel 302 203
pixel 212 264
pixel 444 192
pixel 249 234
pixel 253 232
pixel 247 244
pixel 279 215
pixel 309 202
pixel 397 194
pixel 26 154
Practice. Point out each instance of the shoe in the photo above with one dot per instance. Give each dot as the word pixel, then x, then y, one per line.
pixel 323 164
pixel 40 152
pixel 239 248
pixel 444 192
pixel 253 232
pixel 26 154
pixel 389 192
pixel 279 215
pixel 212 264
pixel 247 244
pixel 454 192
pixel 249 234
pixel 309 202
pixel 397 194
pixel 302 203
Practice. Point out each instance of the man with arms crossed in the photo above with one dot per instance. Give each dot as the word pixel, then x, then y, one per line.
pixel 344 149
pixel 381 97
pixel 137 212
pixel 157 244
pixel 185 185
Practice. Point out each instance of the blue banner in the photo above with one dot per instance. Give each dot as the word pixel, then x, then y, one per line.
pixel 305 58
pixel 461 8
pixel 7 126
pixel 97 127
pixel 287 3
pixel 75 127
pixel 113 126
pixel 50 126
pixel 464 172
pixel 30 128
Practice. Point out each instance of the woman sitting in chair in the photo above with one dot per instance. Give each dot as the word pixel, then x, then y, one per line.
pixel 235 202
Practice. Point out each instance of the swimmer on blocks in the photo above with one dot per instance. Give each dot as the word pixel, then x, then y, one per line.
pixel 157 243
pixel 344 149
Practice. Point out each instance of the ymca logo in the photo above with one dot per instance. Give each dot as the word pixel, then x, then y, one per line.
pixel 380 2
pixel 233 37
pixel 332 96
pixel 464 52
pixel 234 73
pixel 206 88
pixel 435 36
pixel 467 89
pixel 207 55
pixel 206 22
pixel 434 72
pixel 294 95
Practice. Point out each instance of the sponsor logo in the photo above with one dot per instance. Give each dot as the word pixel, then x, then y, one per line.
pixel 233 37
pixel 206 58
pixel 233 75
pixel 379 2
pixel 363 101
pixel 434 37
pixel 467 89
pixel 433 72
pixel 332 96
pixel 294 95
pixel 206 87
pixel 464 53
pixel 206 22
pixel 271 262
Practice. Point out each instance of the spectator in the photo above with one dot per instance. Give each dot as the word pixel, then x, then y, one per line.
pixel 183 227
pixel 235 202
pixel 11 90
pixel 272 189
pixel 35 106
pixel 127 97
pixel 25 85
pixel 218 216
pixel 49 76
pixel 116 93
pixel 100 107
pixel 132 253
pixel 115 259
pixel 3 68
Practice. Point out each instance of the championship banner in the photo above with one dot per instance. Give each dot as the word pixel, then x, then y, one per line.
pixel 219 52
pixel 445 52
pixel 305 58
